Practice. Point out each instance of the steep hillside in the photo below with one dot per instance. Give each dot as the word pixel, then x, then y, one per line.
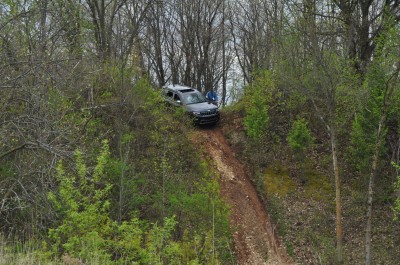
pixel 299 198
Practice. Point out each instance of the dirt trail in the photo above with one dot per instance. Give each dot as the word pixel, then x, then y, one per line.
pixel 255 241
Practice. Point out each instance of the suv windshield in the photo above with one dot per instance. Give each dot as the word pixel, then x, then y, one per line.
pixel 193 98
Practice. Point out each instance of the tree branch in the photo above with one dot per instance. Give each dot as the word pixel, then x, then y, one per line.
pixel 15 149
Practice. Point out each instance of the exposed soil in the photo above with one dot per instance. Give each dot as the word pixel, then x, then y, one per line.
pixel 255 239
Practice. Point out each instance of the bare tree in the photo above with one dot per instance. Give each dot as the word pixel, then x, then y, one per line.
pixel 363 23
pixel 183 42
pixel 253 29
pixel 103 14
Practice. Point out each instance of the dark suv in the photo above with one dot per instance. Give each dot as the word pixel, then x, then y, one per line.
pixel 202 111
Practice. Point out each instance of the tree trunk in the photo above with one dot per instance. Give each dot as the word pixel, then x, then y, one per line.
pixel 43 29
pixel 391 85
pixel 339 230
pixel 224 70
pixel 368 232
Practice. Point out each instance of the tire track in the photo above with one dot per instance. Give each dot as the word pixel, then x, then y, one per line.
pixel 255 240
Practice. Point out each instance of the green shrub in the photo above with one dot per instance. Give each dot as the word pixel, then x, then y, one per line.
pixel 256 103
pixel 85 230
pixel 300 137
pixel 82 203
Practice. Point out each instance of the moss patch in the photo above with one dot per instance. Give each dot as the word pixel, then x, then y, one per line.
pixel 318 187
pixel 278 182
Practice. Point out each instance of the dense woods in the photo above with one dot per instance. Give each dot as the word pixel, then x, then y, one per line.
pixel 94 167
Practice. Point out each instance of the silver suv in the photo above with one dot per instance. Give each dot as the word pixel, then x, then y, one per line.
pixel 202 111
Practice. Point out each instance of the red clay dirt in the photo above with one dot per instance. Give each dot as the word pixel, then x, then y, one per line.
pixel 255 239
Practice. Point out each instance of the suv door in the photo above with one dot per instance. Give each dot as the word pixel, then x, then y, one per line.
pixel 172 97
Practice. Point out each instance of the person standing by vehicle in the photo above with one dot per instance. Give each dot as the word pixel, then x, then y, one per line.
pixel 212 97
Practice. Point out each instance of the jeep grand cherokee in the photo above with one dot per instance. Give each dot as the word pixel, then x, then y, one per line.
pixel 202 111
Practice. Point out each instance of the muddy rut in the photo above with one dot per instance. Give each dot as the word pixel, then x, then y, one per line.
pixel 255 239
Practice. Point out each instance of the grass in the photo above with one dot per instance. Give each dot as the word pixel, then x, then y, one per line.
pixel 17 253
pixel 278 182
pixel 318 187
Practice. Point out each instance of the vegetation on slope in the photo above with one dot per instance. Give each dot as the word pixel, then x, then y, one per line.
pixel 291 164
pixel 134 189
pixel 317 90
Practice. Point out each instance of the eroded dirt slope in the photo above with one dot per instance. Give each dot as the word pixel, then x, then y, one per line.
pixel 255 240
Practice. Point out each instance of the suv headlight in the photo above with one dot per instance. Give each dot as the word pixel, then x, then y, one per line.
pixel 196 112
